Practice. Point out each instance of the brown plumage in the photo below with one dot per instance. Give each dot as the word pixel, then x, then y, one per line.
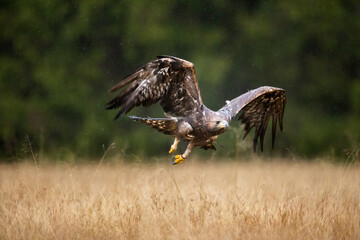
pixel 172 82
pixel 168 79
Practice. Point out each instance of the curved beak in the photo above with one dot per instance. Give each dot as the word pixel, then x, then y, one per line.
pixel 223 124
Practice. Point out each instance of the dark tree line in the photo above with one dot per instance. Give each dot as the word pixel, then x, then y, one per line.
pixel 59 58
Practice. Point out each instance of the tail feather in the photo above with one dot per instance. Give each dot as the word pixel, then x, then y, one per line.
pixel 165 125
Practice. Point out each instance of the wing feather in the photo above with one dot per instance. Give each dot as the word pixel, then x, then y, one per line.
pixel 273 133
pixel 257 107
pixel 170 80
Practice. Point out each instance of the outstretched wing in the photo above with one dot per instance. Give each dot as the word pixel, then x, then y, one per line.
pixel 170 80
pixel 257 107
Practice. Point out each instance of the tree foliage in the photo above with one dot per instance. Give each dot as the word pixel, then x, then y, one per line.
pixel 59 58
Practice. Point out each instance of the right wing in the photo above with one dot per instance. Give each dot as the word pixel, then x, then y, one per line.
pixel 257 107
pixel 170 80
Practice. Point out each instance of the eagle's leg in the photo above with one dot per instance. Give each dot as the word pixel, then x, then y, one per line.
pixel 180 158
pixel 174 145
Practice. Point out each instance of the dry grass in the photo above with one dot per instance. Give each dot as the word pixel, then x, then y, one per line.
pixel 256 200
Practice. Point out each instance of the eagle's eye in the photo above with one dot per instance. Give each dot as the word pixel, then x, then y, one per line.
pixel 221 124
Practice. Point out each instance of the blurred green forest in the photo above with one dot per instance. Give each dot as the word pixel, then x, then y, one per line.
pixel 58 59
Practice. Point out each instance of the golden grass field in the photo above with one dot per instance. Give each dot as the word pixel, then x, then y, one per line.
pixel 194 200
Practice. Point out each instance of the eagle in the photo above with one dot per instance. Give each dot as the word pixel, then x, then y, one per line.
pixel 172 82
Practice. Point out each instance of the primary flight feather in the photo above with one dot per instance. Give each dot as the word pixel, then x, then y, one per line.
pixel 172 82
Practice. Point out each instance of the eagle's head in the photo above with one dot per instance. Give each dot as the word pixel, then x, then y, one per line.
pixel 218 126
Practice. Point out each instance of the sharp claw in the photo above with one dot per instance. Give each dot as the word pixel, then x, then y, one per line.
pixel 172 150
pixel 177 159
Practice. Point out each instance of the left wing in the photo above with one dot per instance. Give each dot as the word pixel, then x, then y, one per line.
pixel 170 80
pixel 257 107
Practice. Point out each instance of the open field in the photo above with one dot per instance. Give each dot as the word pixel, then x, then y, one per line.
pixel 254 200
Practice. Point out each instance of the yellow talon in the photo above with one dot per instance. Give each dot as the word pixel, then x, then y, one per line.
pixel 177 159
pixel 172 149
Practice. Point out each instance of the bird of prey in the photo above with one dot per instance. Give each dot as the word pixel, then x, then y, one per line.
pixel 172 82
